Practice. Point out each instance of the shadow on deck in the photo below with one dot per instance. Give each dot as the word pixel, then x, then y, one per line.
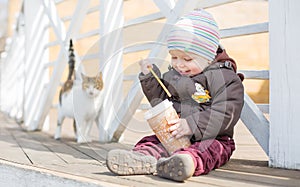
pixel 35 159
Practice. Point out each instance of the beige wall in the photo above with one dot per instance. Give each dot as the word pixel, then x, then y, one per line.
pixel 14 8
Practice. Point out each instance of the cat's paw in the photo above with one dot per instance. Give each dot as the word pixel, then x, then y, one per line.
pixel 57 134
pixel 57 137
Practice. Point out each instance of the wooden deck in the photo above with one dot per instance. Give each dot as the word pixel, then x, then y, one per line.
pixel 35 159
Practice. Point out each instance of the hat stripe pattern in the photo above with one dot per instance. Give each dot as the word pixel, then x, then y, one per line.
pixel 204 32
pixel 195 32
pixel 194 15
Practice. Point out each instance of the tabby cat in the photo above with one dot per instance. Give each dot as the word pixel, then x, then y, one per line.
pixel 80 100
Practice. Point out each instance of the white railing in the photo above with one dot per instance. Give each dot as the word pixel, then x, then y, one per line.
pixel 12 73
pixel 37 97
pixel 28 57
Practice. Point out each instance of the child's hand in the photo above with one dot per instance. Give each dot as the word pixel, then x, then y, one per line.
pixel 179 128
pixel 145 64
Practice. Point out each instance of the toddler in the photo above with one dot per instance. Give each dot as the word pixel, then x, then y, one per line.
pixel 206 93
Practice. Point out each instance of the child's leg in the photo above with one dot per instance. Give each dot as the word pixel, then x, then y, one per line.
pixel 150 145
pixel 209 154
pixel 199 158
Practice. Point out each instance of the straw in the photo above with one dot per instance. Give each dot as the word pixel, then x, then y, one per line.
pixel 159 81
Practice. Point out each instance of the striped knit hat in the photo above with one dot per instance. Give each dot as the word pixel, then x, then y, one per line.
pixel 196 32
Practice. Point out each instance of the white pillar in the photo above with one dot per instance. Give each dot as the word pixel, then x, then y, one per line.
pixel 284 83
pixel 20 75
pixel 111 23
pixel 36 56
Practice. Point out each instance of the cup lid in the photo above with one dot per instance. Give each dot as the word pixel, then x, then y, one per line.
pixel 158 109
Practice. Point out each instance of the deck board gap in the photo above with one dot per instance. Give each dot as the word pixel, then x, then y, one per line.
pixel 13 136
pixel 82 152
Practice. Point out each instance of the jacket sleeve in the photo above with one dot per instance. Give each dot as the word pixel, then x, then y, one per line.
pixel 219 118
pixel 151 88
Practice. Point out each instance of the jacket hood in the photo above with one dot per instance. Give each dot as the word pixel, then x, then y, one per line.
pixel 222 56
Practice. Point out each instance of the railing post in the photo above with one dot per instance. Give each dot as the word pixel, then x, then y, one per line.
pixel 12 73
pixel 20 85
pixel 36 76
pixel 284 77
pixel 111 23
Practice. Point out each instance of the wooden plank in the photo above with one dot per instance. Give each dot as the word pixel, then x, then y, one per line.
pixel 62 149
pixel 93 9
pixel 284 71
pixel 245 30
pixel 89 11
pixel 256 122
pixel 255 74
pixel 52 44
pixel 264 108
pixel 79 162
pixel 35 150
pixel 88 34
pixel 129 77
pixel 14 174
pixel 10 150
pixel 260 176
pixel 95 150
pixel 49 64
pixel 82 167
pixel 97 155
pixel 144 19
pixel 89 57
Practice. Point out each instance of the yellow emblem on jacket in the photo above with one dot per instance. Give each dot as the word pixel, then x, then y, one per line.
pixel 201 95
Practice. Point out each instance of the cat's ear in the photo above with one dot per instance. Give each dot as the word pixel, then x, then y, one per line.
pixel 100 75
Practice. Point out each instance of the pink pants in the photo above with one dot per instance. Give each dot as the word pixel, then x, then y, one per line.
pixel 207 154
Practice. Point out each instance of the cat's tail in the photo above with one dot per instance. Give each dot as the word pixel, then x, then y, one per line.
pixel 69 82
pixel 71 60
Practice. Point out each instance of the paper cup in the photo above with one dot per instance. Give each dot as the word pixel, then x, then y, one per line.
pixel 158 117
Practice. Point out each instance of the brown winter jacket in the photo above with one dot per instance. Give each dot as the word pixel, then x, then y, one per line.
pixel 211 119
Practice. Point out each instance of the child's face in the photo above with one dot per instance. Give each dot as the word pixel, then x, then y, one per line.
pixel 187 63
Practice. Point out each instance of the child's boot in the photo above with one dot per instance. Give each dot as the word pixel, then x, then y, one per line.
pixel 178 167
pixel 123 162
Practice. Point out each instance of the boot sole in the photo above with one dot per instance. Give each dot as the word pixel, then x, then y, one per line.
pixel 124 162
pixel 177 167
